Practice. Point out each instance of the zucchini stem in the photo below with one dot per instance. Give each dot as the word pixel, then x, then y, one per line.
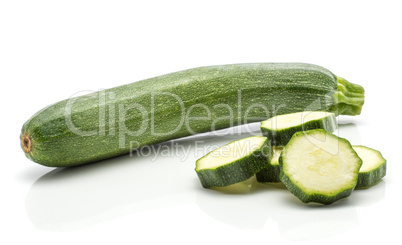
pixel 349 98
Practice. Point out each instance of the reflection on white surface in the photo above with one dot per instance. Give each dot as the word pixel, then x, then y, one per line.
pixel 309 223
pixel 80 197
pixel 243 211
pixel 295 220
pixel 314 221
pixel 349 131
pixel 365 197
pixel 76 198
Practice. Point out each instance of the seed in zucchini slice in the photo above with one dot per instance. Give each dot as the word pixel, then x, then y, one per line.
pixel 235 162
pixel 271 173
pixel 373 168
pixel 317 166
pixel 279 129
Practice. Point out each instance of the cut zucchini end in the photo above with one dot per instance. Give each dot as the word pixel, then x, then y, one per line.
pixel 286 121
pixel 235 162
pixel 26 143
pixel 280 129
pixel 373 169
pixel 317 166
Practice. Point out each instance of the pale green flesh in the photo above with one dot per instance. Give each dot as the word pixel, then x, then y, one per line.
pixel 242 187
pixel 230 152
pixel 277 153
pixel 294 119
pixel 372 159
pixel 318 164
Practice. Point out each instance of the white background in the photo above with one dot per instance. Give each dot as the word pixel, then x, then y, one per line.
pixel 50 50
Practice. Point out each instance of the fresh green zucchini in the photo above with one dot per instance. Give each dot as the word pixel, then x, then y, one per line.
pixel 272 172
pixel 116 121
pixel 235 162
pixel 317 166
pixel 374 166
pixel 279 129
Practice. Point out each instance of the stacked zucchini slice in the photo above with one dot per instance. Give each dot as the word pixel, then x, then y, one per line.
pixel 300 151
pixel 235 162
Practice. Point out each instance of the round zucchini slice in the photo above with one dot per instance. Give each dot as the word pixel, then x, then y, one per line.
pixel 374 166
pixel 235 162
pixel 279 129
pixel 317 166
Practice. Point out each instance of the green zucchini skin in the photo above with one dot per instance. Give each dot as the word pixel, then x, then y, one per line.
pixel 280 137
pixel 237 171
pixel 272 172
pixel 112 122
pixel 368 178
pixel 269 174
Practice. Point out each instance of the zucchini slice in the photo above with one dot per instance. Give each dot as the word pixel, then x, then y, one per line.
pixel 279 129
pixel 373 168
pixel 235 162
pixel 317 166
pixel 271 173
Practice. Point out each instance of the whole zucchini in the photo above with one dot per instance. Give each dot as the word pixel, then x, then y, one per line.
pixel 115 121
